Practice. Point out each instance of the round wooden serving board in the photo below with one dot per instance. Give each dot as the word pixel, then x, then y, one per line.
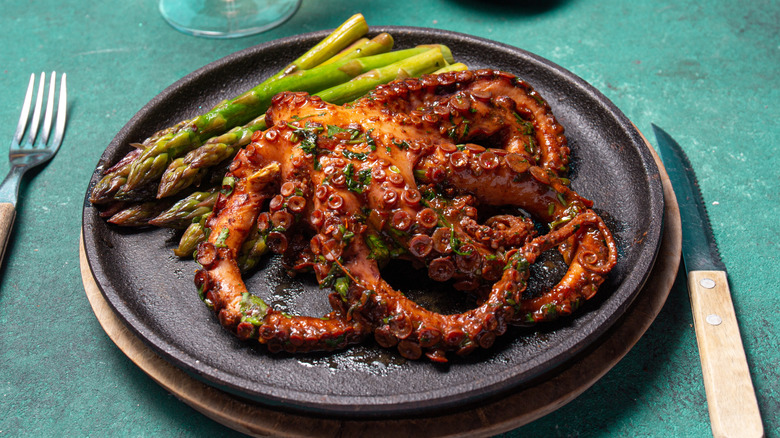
pixel 492 418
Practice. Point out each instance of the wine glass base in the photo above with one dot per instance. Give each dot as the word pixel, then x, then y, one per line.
pixel 226 18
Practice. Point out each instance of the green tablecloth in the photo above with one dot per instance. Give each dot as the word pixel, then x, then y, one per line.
pixel 704 71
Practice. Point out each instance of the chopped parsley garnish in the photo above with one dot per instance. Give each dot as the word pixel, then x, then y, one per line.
pixel 428 194
pixel 379 250
pixel 401 144
pixel 253 309
pixel 561 199
pixel 202 296
pixel 308 137
pixel 455 244
pixel 528 127
pixel 354 133
pixel 355 136
pixel 357 182
pixel 519 263
pixel 549 310
pixel 223 235
pixel 346 235
pixel 297 117
pixel 360 156
pixel 570 213
pixel 334 274
pixel 370 140
pixel 466 128
pixel 453 133
pixel 341 285
pixel 333 343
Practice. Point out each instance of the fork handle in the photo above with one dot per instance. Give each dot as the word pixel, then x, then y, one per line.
pixel 7 217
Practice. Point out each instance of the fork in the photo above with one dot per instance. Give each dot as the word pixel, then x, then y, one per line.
pixel 32 153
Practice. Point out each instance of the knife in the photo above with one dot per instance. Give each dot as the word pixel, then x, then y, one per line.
pixel 730 395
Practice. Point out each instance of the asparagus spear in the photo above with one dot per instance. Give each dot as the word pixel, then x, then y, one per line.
pixel 352 47
pixel 113 179
pixel 381 43
pixel 251 251
pixel 108 210
pixel 425 62
pixel 458 66
pixel 137 215
pixel 186 210
pixel 156 158
pixel 190 169
pixel 195 233
pixel 349 31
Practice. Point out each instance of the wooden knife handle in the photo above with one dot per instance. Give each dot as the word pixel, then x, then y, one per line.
pixel 730 394
pixel 7 216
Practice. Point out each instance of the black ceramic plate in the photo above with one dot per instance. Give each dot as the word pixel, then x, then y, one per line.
pixel 153 292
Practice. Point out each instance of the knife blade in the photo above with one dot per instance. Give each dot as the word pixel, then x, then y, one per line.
pixel 731 398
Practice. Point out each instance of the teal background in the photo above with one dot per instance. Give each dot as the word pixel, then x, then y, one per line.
pixel 707 72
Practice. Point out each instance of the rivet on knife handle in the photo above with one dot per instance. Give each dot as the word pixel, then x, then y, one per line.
pixel 733 407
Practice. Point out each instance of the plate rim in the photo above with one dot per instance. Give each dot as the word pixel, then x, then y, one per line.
pixel 389 408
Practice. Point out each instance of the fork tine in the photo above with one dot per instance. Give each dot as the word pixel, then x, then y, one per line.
pixel 62 105
pixel 36 118
pixel 47 117
pixel 25 115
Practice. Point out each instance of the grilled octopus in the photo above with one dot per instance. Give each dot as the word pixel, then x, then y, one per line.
pixel 426 170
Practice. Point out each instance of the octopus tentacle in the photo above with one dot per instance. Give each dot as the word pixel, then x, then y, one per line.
pixel 219 282
pixel 399 174
pixel 596 250
pixel 416 331
pixel 480 105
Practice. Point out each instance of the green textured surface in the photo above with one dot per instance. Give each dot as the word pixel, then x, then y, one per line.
pixel 706 72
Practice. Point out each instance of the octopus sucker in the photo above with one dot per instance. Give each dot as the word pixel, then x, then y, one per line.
pixel 424 170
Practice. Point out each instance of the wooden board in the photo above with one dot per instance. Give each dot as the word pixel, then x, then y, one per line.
pixel 493 418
